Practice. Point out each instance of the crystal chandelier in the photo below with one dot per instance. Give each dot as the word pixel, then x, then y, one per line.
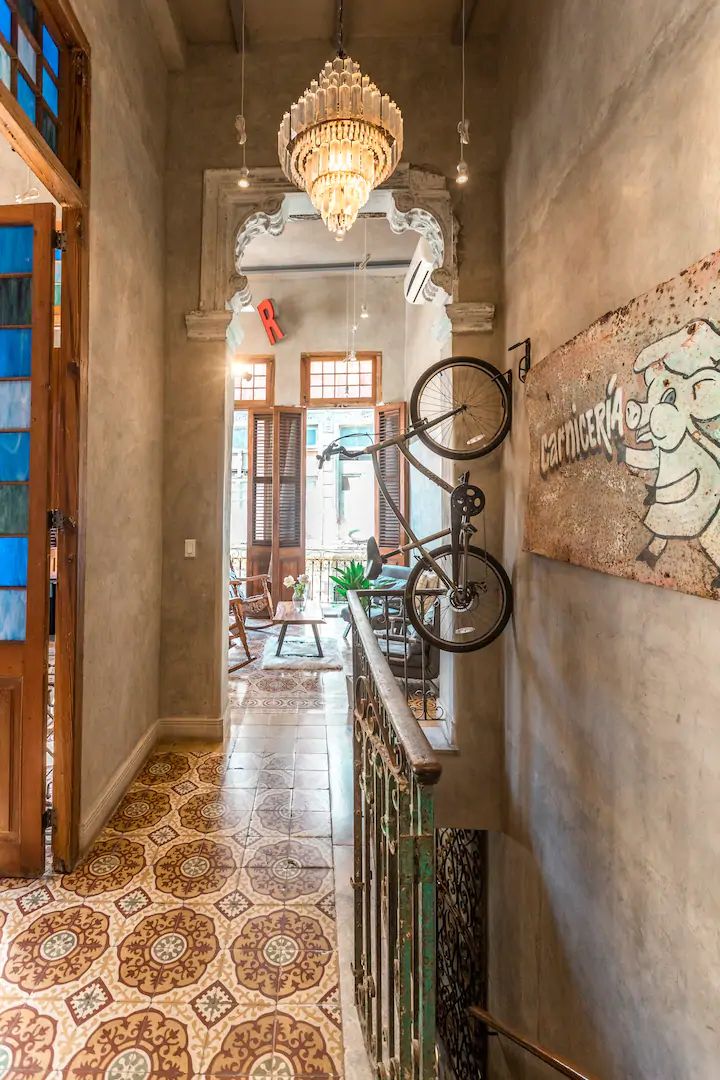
pixel 339 141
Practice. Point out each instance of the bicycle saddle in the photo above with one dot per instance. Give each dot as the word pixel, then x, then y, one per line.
pixel 374 559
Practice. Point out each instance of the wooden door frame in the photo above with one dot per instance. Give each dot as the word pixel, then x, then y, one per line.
pixel 69 184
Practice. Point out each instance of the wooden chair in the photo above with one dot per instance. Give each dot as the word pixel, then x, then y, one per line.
pixel 245 604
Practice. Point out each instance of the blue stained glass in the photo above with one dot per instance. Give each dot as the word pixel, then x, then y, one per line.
pixel 50 91
pixel 14 455
pixel 15 301
pixel 26 54
pixel 48 129
pixel 5 20
pixel 26 96
pixel 15 404
pixel 5 68
pixel 15 353
pixel 13 560
pixel 28 12
pixel 50 50
pixel 16 249
pixel 13 613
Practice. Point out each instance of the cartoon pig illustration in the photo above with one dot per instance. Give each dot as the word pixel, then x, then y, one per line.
pixel 682 376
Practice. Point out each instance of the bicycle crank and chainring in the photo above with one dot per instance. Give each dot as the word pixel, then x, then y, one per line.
pixel 468 499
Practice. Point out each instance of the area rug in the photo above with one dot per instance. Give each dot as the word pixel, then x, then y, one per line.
pixel 300 653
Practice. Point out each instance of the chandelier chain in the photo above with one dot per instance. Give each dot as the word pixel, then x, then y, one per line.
pixel 341 29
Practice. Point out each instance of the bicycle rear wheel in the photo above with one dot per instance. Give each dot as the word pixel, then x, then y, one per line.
pixel 452 623
pixel 483 394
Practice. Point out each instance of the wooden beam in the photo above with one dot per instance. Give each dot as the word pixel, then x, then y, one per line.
pixel 236 15
pixel 25 138
pixel 470 9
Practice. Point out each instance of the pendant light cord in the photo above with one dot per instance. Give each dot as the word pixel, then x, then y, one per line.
pixel 340 30
pixel 463 135
pixel 242 72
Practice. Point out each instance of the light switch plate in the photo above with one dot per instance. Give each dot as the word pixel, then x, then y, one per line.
pixel 190 549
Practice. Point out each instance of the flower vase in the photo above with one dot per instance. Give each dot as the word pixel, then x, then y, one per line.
pixel 299 602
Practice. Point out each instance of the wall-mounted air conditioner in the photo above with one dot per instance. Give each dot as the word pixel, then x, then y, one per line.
pixel 419 271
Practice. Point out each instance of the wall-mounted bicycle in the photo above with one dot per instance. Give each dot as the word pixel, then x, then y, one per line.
pixel 457 597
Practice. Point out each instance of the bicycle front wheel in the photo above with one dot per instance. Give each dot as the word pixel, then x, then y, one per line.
pixel 459 620
pixel 482 394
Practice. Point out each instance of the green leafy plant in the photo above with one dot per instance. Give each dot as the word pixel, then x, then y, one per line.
pixel 351 577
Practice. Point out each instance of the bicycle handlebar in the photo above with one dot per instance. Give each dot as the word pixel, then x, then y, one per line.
pixel 334 449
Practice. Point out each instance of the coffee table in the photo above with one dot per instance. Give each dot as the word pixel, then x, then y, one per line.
pixel 288 615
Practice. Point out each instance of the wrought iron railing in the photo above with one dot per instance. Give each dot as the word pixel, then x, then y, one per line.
pixel 395 771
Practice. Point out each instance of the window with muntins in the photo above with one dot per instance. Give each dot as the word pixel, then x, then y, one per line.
pixel 334 380
pixel 31 61
pixel 254 381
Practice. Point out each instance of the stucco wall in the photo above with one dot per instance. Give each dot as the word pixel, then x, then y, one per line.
pixel 605 906
pixel 423 76
pixel 124 437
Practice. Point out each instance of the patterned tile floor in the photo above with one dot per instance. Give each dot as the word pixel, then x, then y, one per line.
pixel 198 938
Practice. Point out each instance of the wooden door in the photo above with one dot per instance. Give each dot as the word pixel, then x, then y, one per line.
pixel 389 421
pixel 260 491
pixel 26 261
pixel 288 532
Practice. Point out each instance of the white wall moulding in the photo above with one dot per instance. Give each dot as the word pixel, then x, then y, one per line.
pixel 234 216
pixel 194 727
pixel 471 318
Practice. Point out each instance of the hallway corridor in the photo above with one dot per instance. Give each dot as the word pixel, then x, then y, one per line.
pixel 199 937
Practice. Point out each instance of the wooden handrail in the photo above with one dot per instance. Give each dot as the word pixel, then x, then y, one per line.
pixel 561 1065
pixel 418 751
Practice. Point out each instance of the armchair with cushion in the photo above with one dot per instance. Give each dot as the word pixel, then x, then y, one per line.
pixel 250 597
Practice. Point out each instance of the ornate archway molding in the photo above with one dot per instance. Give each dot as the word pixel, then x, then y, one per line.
pixel 233 217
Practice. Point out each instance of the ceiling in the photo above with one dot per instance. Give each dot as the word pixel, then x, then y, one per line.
pixel 209 22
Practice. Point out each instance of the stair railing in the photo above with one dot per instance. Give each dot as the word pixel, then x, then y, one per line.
pixel 560 1064
pixel 395 771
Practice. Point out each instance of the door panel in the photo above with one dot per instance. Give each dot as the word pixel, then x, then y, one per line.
pixel 389 421
pixel 288 548
pixel 26 262
pixel 260 491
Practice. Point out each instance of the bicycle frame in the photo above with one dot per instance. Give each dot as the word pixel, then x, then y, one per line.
pixel 401 440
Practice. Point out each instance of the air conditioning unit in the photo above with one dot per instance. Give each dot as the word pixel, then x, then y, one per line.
pixel 419 271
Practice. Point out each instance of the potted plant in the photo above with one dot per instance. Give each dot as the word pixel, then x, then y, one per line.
pixel 299 586
pixel 352 577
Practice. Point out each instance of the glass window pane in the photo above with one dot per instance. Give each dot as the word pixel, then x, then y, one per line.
pixel 26 54
pixel 50 50
pixel 13 608
pixel 15 404
pixel 14 515
pixel 5 68
pixel 15 353
pixel 16 249
pixel 26 96
pixel 15 301
pixel 50 91
pixel 14 456
pixel 48 130
pixel 13 560
pixel 5 22
pixel 28 12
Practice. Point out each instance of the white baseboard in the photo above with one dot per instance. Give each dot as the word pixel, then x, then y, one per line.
pixel 93 821
pixel 212 728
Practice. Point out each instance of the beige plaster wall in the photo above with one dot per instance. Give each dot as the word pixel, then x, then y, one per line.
pixel 604 901
pixel 124 438
pixel 423 76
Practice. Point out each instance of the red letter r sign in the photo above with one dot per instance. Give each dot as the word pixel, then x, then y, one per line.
pixel 266 311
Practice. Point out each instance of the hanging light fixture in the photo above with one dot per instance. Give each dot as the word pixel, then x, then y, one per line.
pixel 364 313
pixel 244 178
pixel 463 127
pixel 341 139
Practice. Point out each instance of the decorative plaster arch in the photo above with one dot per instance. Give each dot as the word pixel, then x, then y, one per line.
pixel 233 217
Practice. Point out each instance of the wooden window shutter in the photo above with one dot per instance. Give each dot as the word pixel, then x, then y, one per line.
pixel 389 421
pixel 261 478
pixel 288 548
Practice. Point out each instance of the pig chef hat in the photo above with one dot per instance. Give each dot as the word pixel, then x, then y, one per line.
pixel 685 352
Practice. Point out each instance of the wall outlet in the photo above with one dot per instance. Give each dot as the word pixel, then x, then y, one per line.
pixel 190 549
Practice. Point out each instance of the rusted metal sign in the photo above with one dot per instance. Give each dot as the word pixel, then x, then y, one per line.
pixel 625 440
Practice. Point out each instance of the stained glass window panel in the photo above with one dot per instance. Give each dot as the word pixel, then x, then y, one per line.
pixel 14 404
pixel 15 301
pixel 14 509
pixel 15 353
pixel 48 130
pixel 5 20
pixel 16 249
pixel 26 54
pixel 50 50
pixel 26 96
pixel 13 560
pixel 28 12
pixel 13 614
pixel 50 91
pixel 14 455
pixel 5 68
